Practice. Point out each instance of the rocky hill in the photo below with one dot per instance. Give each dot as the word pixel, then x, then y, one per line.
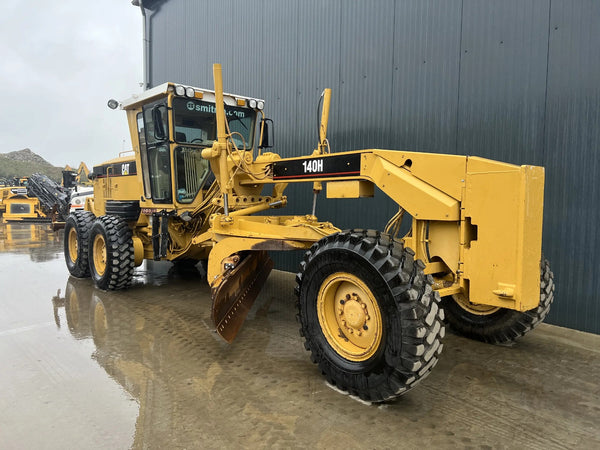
pixel 23 163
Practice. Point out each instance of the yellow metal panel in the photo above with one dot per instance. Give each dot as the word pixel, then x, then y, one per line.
pixel 230 245
pixel 506 206
pixel 530 233
pixel 31 212
pixel 420 199
pixel 443 243
pixel 350 189
pixel 298 228
pixel 444 172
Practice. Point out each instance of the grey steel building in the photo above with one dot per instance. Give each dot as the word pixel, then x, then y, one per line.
pixel 512 80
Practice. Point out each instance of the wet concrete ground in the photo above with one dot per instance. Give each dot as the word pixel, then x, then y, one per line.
pixel 82 368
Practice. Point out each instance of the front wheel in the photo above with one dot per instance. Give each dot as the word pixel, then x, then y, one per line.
pixel 499 325
pixel 368 314
pixel 111 254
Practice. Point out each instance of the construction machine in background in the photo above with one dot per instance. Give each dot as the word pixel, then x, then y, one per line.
pixel 38 198
pixel 371 304
pixel 54 199
pixel 17 206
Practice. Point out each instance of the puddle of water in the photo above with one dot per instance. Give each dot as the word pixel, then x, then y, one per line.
pixel 143 368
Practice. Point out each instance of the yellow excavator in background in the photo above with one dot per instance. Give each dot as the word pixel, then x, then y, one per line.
pixel 371 304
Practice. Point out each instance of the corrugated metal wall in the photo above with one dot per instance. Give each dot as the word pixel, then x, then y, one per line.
pixel 517 80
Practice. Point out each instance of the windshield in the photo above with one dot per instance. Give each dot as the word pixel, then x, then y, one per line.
pixel 196 122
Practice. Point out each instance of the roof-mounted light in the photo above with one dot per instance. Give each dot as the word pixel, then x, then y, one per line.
pixel 252 103
pixel 189 92
pixel 113 104
pixel 260 105
pixel 179 90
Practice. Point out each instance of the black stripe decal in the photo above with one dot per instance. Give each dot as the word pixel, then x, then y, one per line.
pixel 116 169
pixel 326 166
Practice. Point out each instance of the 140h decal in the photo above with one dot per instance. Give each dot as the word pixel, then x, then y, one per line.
pixel 313 166
pixel 330 166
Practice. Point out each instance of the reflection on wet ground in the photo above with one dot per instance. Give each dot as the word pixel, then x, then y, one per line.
pixel 142 368
pixel 35 239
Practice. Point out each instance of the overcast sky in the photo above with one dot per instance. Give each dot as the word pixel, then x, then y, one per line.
pixel 60 63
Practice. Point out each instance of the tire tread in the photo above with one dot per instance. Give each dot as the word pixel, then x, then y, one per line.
pixel 419 316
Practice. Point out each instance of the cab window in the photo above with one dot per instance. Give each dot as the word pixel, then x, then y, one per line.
pixel 157 151
pixel 143 155
pixel 191 172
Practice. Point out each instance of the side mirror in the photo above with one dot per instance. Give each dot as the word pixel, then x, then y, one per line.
pixel 266 136
pixel 157 120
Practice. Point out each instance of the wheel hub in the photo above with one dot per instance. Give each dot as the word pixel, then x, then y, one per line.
pixel 353 314
pixel 349 316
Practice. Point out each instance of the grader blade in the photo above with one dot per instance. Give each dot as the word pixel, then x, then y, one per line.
pixel 234 292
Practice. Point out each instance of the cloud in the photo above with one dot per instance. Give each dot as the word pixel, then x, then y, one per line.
pixel 60 62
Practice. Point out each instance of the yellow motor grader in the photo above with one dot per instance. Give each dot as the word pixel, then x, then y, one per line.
pixel 371 305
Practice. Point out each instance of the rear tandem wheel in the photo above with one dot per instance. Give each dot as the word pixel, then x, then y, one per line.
pixel 368 314
pixel 497 325
pixel 77 230
pixel 111 254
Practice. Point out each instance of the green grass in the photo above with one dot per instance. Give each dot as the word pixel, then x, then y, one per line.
pixel 10 168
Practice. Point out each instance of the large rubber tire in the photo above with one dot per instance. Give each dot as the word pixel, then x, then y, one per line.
pixel 111 254
pixel 407 309
pixel 501 325
pixel 76 236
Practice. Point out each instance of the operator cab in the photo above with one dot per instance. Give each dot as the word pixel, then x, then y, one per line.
pixel 174 124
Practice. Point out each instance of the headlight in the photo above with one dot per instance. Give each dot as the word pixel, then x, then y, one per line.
pixel 189 92
pixel 252 103
pixel 179 90
pixel 260 105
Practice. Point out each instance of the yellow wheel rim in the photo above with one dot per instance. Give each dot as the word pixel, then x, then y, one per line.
pixel 349 316
pixel 474 308
pixel 99 254
pixel 72 240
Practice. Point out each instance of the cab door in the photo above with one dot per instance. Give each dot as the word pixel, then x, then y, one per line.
pixel 155 154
